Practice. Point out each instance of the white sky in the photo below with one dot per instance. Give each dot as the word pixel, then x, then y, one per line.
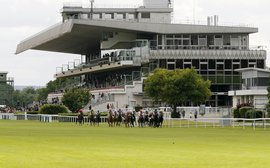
pixel 23 18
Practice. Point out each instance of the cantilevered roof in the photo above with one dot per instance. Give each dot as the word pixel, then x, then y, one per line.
pixel 77 36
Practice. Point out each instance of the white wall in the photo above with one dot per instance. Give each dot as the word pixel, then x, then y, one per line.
pixel 120 37
pixel 155 3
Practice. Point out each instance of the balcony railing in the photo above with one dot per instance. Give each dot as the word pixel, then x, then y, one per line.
pixel 204 47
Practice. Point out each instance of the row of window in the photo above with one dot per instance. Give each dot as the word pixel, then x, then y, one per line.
pixel 210 64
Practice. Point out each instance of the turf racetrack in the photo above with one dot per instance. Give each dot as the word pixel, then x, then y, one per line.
pixel 28 144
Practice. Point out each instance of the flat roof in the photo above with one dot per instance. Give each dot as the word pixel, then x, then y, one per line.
pixel 252 69
pixel 77 36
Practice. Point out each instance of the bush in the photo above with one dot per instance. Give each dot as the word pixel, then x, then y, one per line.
pixel 53 109
pixel 32 112
pixel 138 108
pixel 243 111
pixel 236 113
pixel 104 114
pixel 254 114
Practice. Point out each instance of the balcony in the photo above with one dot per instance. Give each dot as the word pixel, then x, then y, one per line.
pixel 206 52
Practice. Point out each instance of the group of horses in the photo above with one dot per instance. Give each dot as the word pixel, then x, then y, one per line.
pixel 129 119
pixel 93 118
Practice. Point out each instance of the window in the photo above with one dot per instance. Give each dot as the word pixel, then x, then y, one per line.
pixel 212 64
pixel 146 15
pixel 171 66
pixel 228 64
pixel 204 67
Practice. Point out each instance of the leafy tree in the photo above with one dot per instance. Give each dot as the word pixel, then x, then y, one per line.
pixel 177 87
pixel 42 94
pixel 58 84
pixel 25 97
pixel 76 98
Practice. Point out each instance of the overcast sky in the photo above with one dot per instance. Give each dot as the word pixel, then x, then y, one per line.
pixel 23 18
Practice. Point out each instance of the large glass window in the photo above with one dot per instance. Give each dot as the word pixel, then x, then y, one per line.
pixel 260 63
pixel 196 64
pixel 212 64
pixel 228 64
pixel 244 63
pixel 146 15
pixel 204 66
pixel 194 40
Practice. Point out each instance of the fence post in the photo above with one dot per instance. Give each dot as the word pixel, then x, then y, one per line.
pixel 264 125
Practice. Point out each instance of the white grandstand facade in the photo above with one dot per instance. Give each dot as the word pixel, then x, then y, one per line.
pixel 120 47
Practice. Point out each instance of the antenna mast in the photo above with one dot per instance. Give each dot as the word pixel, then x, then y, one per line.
pixel 92 9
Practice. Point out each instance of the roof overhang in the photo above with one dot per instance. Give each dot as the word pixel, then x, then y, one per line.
pixel 79 36
pixel 252 69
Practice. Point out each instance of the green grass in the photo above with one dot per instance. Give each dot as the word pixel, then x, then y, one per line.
pixel 28 144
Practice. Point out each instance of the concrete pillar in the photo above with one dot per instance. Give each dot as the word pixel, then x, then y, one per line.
pixel 103 16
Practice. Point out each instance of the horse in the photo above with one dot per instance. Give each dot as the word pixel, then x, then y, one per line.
pixel 80 118
pixel 128 119
pixel 91 118
pixel 151 120
pixel 160 118
pixel 156 119
pixel 110 118
pixel 141 120
pixel 119 118
pixel 98 118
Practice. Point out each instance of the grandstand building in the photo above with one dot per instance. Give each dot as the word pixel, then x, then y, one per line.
pixel 120 47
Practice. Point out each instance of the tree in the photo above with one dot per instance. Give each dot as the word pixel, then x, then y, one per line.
pixel 25 97
pixel 177 87
pixel 76 98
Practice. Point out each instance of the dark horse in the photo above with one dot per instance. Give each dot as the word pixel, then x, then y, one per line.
pixel 141 120
pixel 128 119
pixel 98 118
pixel 119 118
pixel 160 118
pixel 80 118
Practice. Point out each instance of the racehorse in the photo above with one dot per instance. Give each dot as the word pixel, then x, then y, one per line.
pixel 91 118
pixel 128 119
pixel 110 118
pixel 98 118
pixel 80 118
pixel 160 118
pixel 156 119
pixel 141 119
pixel 119 118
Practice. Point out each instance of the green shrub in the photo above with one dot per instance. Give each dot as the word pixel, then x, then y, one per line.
pixel 104 114
pixel 243 111
pixel 236 113
pixel 32 112
pixel 53 109
pixel 138 108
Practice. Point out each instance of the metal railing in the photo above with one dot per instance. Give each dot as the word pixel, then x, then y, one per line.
pixel 243 123
pixel 205 47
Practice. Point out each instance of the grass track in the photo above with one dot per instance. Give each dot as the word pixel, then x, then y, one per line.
pixel 28 144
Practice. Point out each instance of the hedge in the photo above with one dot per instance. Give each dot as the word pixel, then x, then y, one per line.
pixel 243 111
pixel 53 109
pixel 247 112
